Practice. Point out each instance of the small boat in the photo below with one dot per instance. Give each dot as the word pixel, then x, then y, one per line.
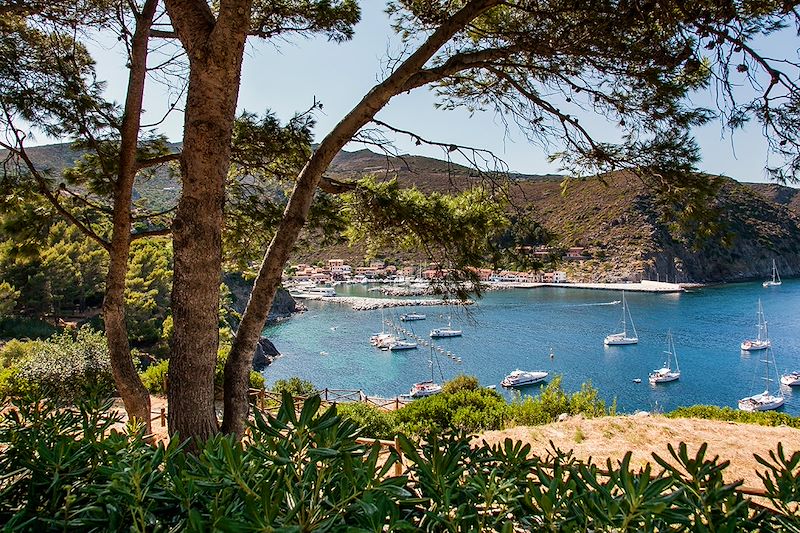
pixel 761 342
pixel 776 278
pixel 402 345
pixel 622 338
pixel 637 380
pixel 791 379
pixel 520 378
pixel 424 388
pixel 764 401
pixel 666 373
pixel 409 317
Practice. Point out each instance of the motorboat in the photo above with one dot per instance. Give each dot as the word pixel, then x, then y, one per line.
pixel 776 278
pixel 438 333
pixel 424 388
pixel 761 342
pixel 409 317
pixel 623 338
pixel 521 378
pixel 791 379
pixel 666 374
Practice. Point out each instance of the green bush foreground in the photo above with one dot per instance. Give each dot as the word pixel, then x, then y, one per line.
pixel 64 469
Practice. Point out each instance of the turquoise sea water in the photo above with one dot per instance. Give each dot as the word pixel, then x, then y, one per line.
pixel 329 344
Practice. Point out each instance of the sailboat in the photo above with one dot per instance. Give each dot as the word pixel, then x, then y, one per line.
pixel 438 333
pixel 764 401
pixel 667 374
pixel 776 278
pixel 426 388
pixel 616 339
pixel 761 342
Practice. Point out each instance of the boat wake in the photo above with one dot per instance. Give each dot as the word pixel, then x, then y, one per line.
pixel 615 302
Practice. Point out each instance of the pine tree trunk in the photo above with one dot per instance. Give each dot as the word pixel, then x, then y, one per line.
pixel 130 387
pixel 215 50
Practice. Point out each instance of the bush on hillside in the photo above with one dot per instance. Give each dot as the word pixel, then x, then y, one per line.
pixel 154 378
pixel 65 367
pixel 294 387
pixel 553 401
pixel 25 328
pixel 464 410
pixel 711 412
pixel 15 351
pixel 373 422
pixel 461 382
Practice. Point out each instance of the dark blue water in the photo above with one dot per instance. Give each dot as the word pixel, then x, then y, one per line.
pixel 516 329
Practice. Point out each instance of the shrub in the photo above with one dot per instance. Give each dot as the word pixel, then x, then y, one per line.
pixel 294 387
pixel 461 382
pixel 373 422
pixel 15 351
pixel 711 412
pixel 154 377
pixel 465 410
pixel 553 401
pixel 66 367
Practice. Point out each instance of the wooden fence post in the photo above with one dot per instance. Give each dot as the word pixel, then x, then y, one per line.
pixel 326 394
pixel 398 466
pixel 396 403
pixel 261 399
pixel 163 417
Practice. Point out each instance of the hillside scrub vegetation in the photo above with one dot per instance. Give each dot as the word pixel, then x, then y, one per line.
pixel 306 472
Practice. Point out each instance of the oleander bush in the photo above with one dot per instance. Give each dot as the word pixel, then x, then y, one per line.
pixel 711 412
pixel 65 470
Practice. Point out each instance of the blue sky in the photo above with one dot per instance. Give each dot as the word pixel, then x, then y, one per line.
pixel 288 76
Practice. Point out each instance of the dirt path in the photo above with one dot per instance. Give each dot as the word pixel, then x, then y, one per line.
pixel 611 437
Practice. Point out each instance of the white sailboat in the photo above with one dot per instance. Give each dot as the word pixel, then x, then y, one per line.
pixel 618 339
pixel 428 387
pixel 776 278
pixel 761 342
pixel 666 373
pixel 764 401
pixel 438 333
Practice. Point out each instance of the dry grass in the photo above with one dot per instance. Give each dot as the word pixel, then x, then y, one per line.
pixel 610 437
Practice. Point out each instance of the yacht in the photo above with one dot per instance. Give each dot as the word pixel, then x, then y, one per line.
pixel 791 379
pixel 520 378
pixel 424 388
pixel 438 333
pixel 776 278
pixel 666 373
pixel 409 317
pixel 398 345
pixel 622 338
pixel 761 342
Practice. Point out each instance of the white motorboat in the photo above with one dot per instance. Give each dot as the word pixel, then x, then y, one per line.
pixel 424 388
pixel 409 317
pixel 776 278
pixel 666 373
pixel 520 378
pixel 402 345
pixel 761 342
pixel 622 338
pixel 766 400
pixel 791 379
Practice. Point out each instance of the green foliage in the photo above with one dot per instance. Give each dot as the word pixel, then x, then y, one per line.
pixel 373 422
pixel 148 285
pixel 459 383
pixel 154 378
pixel 306 472
pixel 553 401
pixel 25 328
pixel 711 412
pixel 464 410
pixel 8 299
pixel 15 351
pixel 65 367
pixel 294 387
